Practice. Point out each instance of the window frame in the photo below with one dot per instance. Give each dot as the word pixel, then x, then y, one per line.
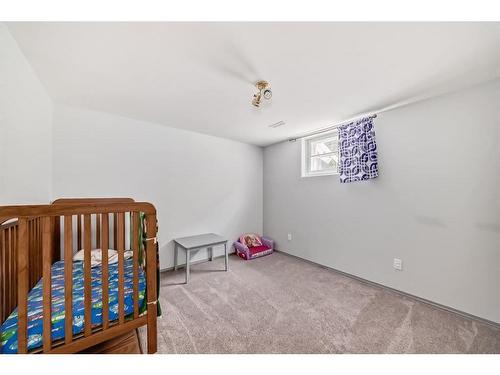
pixel 306 155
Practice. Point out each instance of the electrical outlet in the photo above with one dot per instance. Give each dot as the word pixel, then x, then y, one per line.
pixel 289 236
pixel 397 264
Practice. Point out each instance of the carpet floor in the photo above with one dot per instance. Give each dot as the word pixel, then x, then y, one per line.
pixel 281 304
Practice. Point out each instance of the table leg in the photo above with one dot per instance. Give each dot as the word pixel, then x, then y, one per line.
pixel 175 256
pixel 225 253
pixel 188 259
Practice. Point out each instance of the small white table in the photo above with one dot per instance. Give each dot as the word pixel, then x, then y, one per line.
pixel 194 243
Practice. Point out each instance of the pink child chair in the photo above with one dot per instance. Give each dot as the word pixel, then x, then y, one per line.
pixel 251 246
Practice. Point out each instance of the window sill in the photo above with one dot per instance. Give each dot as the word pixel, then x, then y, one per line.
pixel 320 174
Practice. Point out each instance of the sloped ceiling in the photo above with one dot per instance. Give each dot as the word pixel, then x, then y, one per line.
pixel 199 76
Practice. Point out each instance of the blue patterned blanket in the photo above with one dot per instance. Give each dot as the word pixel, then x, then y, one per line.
pixel 8 330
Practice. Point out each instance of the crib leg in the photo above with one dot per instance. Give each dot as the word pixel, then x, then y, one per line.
pixel 152 337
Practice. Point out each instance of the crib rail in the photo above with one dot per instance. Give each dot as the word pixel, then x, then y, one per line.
pixel 79 229
pixel 34 241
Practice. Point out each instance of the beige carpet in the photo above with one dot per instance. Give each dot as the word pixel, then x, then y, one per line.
pixel 280 304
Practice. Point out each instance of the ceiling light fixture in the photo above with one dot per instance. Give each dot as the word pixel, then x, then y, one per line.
pixel 264 92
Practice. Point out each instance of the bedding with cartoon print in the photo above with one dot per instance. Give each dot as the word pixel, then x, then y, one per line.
pixel 8 330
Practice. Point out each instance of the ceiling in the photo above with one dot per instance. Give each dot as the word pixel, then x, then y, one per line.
pixel 199 76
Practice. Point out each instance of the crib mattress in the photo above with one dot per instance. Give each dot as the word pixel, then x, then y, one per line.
pixel 8 330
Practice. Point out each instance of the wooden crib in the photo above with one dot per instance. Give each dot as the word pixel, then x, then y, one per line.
pixel 33 238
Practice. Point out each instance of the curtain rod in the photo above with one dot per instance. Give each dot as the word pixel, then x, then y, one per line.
pixel 436 92
pixel 332 127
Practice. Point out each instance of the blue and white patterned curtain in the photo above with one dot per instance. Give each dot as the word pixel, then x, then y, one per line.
pixel 358 151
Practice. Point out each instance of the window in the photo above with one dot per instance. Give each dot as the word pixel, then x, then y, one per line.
pixel 320 154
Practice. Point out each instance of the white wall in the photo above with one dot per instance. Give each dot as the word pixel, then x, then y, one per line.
pixel 436 204
pixel 25 129
pixel 198 183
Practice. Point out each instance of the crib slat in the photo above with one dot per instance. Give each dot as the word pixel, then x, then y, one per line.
pixel 68 279
pixel 38 248
pixel 12 275
pixel 22 287
pixel 6 275
pixel 2 274
pixel 31 243
pixel 151 269
pixel 135 250
pixel 3 277
pixel 32 253
pixel 105 273
pixel 13 248
pixel 9 279
pixel 36 256
pixel 47 281
pixel 120 223
pixel 87 276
